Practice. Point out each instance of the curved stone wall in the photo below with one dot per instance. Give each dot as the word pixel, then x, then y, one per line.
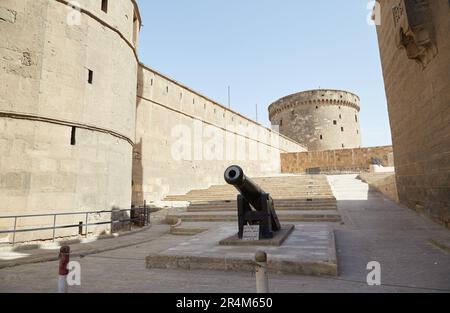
pixel 319 119
pixel 67 105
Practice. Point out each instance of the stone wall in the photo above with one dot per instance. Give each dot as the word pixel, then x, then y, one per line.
pixel 335 161
pixel 319 119
pixel 66 134
pixel 383 182
pixel 414 40
pixel 185 141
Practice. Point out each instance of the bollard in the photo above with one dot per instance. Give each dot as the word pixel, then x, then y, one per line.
pixel 64 258
pixel 262 280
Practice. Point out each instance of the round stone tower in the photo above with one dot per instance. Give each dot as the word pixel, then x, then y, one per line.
pixel 319 119
pixel 67 106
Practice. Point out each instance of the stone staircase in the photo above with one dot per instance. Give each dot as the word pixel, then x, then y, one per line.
pixel 303 198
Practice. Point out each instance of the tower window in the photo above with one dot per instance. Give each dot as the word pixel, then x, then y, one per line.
pixel 281 123
pixel 105 6
pixel 342 129
pixel 90 77
pixel 321 137
pixel 356 118
pixel 335 122
pixel 340 116
pixel 343 146
pixel 73 139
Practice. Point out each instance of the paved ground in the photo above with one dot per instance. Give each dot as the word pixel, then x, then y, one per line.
pixel 376 229
pixel 309 249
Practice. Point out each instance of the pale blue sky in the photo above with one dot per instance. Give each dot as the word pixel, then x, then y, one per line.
pixel 266 49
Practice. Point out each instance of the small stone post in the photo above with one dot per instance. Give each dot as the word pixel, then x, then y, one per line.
pixel 64 258
pixel 262 280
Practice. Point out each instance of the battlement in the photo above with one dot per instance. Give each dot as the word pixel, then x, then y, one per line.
pixel 315 97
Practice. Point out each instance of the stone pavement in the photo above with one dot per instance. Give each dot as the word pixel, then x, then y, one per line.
pixel 21 255
pixel 376 229
pixel 310 249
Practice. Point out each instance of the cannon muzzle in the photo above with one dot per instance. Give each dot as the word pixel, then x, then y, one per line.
pixel 252 196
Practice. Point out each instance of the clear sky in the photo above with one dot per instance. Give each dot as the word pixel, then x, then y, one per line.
pixel 267 49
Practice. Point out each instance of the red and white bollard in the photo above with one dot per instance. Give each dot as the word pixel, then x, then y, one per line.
pixel 64 259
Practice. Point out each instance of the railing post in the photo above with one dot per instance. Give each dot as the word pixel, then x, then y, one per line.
pixel 87 218
pixel 262 280
pixel 54 227
pixel 14 234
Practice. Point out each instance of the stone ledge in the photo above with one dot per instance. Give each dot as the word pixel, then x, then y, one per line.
pixel 309 250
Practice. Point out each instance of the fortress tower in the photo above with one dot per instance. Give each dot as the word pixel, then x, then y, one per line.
pixel 319 119
pixel 67 107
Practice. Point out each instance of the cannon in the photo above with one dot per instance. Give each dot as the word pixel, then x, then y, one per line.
pixel 255 207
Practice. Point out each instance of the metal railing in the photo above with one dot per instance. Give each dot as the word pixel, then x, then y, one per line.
pixel 141 215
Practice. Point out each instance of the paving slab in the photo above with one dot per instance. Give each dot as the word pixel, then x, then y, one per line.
pixel 309 250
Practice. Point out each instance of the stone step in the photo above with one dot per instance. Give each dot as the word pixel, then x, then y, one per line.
pixel 277 208
pixel 290 216
pixel 304 197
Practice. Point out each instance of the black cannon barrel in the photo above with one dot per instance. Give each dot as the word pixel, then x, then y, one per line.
pixel 234 175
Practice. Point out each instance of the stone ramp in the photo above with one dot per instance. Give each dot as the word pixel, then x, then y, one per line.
pixel 309 250
pixel 301 198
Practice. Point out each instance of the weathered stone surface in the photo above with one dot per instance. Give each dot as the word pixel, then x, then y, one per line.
pixel 309 250
pixel 185 140
pixel 319 119
pixel 418 91
pixel 329 161
pixel 44 93
pixel 277 240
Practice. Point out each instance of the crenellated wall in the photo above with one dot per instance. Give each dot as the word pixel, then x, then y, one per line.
pixel 320 119
pixel 185 141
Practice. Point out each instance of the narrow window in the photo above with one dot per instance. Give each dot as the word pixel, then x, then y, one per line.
pixel 193 101
pixel 281 123
pixel 356 118
pixel 357 131
pixel 105 6
pixel 167 89
pixel 343 146
pixel 90 77
pixel 321 137
pixel 73 139
pixel 340 116
pixel 151 82
pixel 342 129
pixel 334 122
pixel 317 107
